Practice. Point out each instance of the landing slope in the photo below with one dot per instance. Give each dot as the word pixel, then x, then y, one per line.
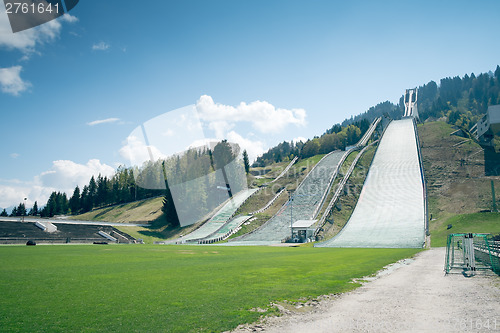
pixel 220 218
pixel 390 210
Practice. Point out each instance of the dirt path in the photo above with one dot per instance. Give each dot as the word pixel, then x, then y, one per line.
pixel 416 297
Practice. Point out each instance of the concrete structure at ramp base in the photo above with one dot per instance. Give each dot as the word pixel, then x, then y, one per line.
pixel 391 211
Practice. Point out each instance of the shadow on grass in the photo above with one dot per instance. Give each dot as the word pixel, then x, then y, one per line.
pixel 138 203
pixel 104 211
pixel 160 229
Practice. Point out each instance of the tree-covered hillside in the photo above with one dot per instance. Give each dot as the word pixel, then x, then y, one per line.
pixel 461 100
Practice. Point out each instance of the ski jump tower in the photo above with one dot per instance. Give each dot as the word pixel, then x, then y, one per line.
pixel 411 109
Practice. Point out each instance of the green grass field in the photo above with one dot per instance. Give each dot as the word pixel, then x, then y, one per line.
pixel 476 223
pixel 143 288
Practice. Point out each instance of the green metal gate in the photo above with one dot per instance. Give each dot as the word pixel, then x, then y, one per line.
pixel 471 252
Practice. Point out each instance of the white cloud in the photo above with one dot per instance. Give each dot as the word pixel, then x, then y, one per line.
pixel 14 155
pixel 103 121
pixel 300 138
pixel 263 116
pixel 253 148
pixel 68 18
pixel 220 127
pixel 63 176
pixel 175 131
pixel 201 143
pixel 11 82
pixel 101 46
pixel 14 192
pixel 12 195
pixel 136 151
pixel 168 133
pixel 27 40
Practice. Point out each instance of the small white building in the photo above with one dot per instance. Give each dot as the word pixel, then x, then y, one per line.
pixel 302 231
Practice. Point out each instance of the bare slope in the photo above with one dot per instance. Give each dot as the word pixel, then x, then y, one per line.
pixel 455 174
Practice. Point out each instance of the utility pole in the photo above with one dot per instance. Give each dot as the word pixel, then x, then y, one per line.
pixel 493 197
pixel 291 216
pixel 24 212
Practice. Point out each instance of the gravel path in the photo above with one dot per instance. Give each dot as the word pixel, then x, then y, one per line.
pixel 413 296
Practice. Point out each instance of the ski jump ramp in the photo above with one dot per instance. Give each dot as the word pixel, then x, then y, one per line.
pixel 219 219
pixel 307 198
pixel 390 212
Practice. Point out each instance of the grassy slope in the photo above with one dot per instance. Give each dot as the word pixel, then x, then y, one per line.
pixel 476 223
pixel 273 171
pixel 124 288
pixel 456 183
pixel 142 211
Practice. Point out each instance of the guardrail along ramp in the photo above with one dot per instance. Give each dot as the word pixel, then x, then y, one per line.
pixel 220 218
pixel 391 210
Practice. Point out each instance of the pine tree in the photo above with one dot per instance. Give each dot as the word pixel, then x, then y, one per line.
pixel 4 213
pixel 85 201
pixel 34 209
pixel 51 207
pixel 74 201
pixel 246 162
pixel 92 196
pixel 222 154
pixel 21 210
pixel 102 191
pixel 64 203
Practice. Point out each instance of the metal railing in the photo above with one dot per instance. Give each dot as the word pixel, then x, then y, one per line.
pixel 424 183
pixel 269 203
pixel 339 190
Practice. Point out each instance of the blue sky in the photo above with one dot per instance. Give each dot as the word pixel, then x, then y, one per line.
pixel 72 90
